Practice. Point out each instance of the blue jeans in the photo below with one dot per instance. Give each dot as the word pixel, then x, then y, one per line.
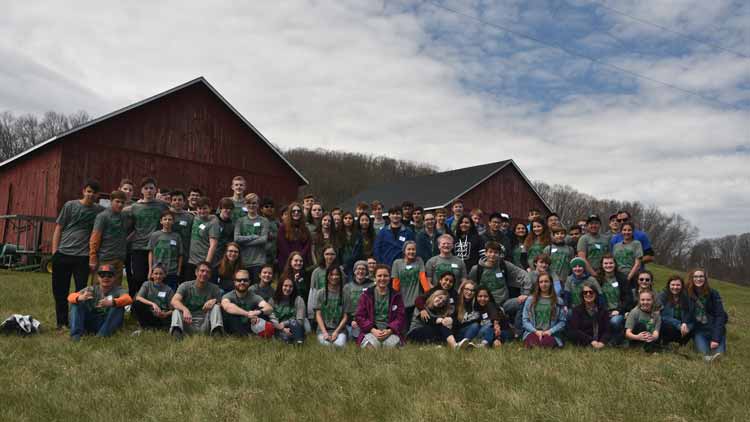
pixel 298 333
pixel 468 332
pixel 617 328
pixel 85 320
pixel 702 339
pixel 487 333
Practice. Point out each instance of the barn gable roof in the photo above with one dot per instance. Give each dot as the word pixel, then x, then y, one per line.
pixel 197 80
pixel 434 190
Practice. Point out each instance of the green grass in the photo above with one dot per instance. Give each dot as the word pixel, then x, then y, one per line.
pixel 151 377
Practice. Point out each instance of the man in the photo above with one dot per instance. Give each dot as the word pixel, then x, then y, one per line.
pixel 226 228
pixel 614 226
pixel 553 220
pixel 592 246
pixel 505 223
pixel 417 219
pixel 495 233
pixel 440 226
pixel 127 187
pixel 389 242
pixel 445 261
pixel 204 238
pixel 100 308
pixel 307 203
pixel 268 211
pixel 108 240
pixel 183 226
pixel 477 216
pixel 239 208
pixel 70 247
pixel 196 305
pixel 378 222
pixel 406 209
pixel 361 208
pixel 244 311
pixel 427 238
pixel 458 211
pixel 251 233
pixel 648 251
pixel 194 194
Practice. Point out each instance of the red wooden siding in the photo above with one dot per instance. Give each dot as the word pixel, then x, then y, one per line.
pixel 506 191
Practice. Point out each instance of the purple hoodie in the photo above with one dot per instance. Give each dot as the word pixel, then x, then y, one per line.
pixel 365 315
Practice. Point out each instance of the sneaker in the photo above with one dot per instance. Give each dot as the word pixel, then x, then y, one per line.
pixel 127 308
pixel 135 333
pixel 471 346
pixel 463 344
pixel 712 358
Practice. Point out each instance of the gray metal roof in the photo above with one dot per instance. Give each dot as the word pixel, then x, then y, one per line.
pixel 199 79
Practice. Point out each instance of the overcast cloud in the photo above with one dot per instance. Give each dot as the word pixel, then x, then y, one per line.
pixel 412 81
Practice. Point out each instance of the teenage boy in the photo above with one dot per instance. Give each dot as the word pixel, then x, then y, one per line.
pixel 648 251
pixel 127 187
pixel 417 219
pixel 196 304
pixel 307 203
pixel 245 312
pixel 406 209
pixel 145 217
pixel 166 249
pixel 496 274
pixel 444 262
pixel 194 194
pixel 427 239
pixel 574 234
pixel 440 219
pixel 378 222
pixel 614 226
pixel 458 211
pixel 505 223
pixel 389 243
pixel 553 220
pixel 204 238
pixel 495 232
pixel 70 247
pixel 164 195
pixel 592 246
pixel 183 226
pixel 226 229
pixel 251 233
pixel 99 308
pixel 108 241
pixel 477 216
pixel 560 253
pixel 239 208
pixel 361 208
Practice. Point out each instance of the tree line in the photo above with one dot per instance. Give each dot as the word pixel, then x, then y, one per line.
pixel 338 175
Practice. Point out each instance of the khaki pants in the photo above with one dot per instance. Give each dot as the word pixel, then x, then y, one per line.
pixel 202 323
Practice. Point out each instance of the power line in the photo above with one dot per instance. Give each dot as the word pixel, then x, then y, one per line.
pixel 581 55
pixel 670 30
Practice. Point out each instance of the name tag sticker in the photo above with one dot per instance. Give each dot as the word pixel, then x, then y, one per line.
pixel 256 224
pixel 110 298
pixel 554 250
pixel 202 227
pixel 173 242
pixel 598 246
pixel 183 222
pixel 454 265
pixel 485 316
pixel 394 307
pixel 408 267
pixel 244 209
pixel 402 239
pixel 450 300
pixel 615 284
pixel 162 294
pixel 499 275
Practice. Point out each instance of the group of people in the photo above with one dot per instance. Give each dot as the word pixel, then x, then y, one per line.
pixel 380 279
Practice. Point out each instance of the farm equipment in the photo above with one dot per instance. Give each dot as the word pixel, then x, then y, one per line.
pixel 26 251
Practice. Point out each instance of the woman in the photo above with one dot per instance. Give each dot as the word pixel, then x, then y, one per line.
pixel 152 302
pixel 628 253
pixel 710 319
pixel 644 323
pixel 467 319
pixel 324 237
pixel 437 327
pixel 319 278
pixel 350 242
pixel 535 241
pixel 288 313
pixel 263 288
pixel 467 242
pixel 294 269
pixel 329 310
pixel 676 312
pixel 588 324
pixel 615 289
pixel 409 277
pixel 519 256
pixel 380 314
pixel 366 231
pixel 644 281
pixel 230 263
pixel 492 319
pixel 446 281
pixel 543 316
pixel 293 234
pixel 352 292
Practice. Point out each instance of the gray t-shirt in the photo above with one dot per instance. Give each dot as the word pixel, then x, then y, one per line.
pixel 194 298
pixel 252 235
pixel 651 320
pixel 146 217
pixel 167 249
pixel 265 292
pixel 249 302
pixel 595 247
pixel 203 230
pixel 331 308
pixel 625 255
pixel 437 265
pixel 408 276
pixel 352 292
pixel 114 235
pixel 77 221
pixel 161 294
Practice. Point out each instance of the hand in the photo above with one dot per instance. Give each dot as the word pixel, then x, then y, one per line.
pixel 326 336
pixel 497 331
pixel 684 330
pixel 447 322
pixel 614 313
pixel 597 344
pixel 92 266
pixel 148 277
pixel 209 304
pixel 85 294
pixel 547 333
pixel 106 303
pixel 155 308
pixel 424 315
pixel 714 345
pixel 354 324
pixel 522 298
pixel 187 317
pixel 287 331
pixel 253 320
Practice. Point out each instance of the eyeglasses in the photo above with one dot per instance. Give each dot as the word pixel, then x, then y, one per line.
pixel 588 292
pixel 106 275
pixel 242 280
pixel 296 211
pixel 622 220
pixel 647 279
pixel 267 206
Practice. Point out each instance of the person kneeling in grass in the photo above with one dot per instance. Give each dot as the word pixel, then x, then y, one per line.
pixel 99 308
pixel 244 311
pixel 196 305
pixel 588 324
pixel 710 318
pixel 677 312
pixel 329 310
pixel 380 313
pixel 151 307
pixel 543 316
pixel 643 323
pixel 289 312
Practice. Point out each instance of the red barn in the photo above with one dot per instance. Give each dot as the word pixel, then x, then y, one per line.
pixel 499 186
pixel 184 137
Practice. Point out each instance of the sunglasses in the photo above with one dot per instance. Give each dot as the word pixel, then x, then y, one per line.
pixel 267 206
pixel 644 279
pixel 622 220
pixel 296 211
pixel 588 292
pixel 106 275
pixel 242 280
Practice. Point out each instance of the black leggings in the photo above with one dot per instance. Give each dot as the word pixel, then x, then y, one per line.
pixel 63 267
pixel 430 334
pixel 670 334
pixel 139 265
pixel 146 318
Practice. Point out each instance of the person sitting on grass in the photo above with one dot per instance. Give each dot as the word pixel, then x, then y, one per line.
pixel 289 312
pixel 491 320
pixel 446 281
pixel 710 318
pixel 263 287
pixel 615 289
pixel 245 312
pixel 677 312
pixel 543 316
pixel 644 323
pixel 99 308
pixel 352 292
pixel 151 307
pixel 196 305
pixel 467 319
pixel 381 314
pixel 588 324
pixel 434 323
pixel 329 310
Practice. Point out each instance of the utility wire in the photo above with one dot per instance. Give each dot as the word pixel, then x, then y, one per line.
pixel 581 55
pixel 670 30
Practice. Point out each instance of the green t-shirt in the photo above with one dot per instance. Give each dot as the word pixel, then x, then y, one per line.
pixel 161 294
pixel 252 236
pixel 408 275
pixel 265 292
pixel 543 314
pixel 194 298
pixel 575 287
pixel 595 248
pixel 285 311
pixel 146 217
pixel 518 250
pixel 183 225
pixel 239 210
pixel 352 292
pixel 438 265
pixel 77 221
pixel 535 250
pixel 381 310
pixel 611 289
pixel 167 249
pixel 560 255
pixel 202 231
pixel 625 255
pixel 492 278
pixel 114 235
pixel 330 307
pixel 652 320
pixel 99 294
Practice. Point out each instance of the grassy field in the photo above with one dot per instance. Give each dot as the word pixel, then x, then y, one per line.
pixel 152 377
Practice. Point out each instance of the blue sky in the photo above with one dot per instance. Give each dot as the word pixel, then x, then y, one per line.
pixel 410 80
